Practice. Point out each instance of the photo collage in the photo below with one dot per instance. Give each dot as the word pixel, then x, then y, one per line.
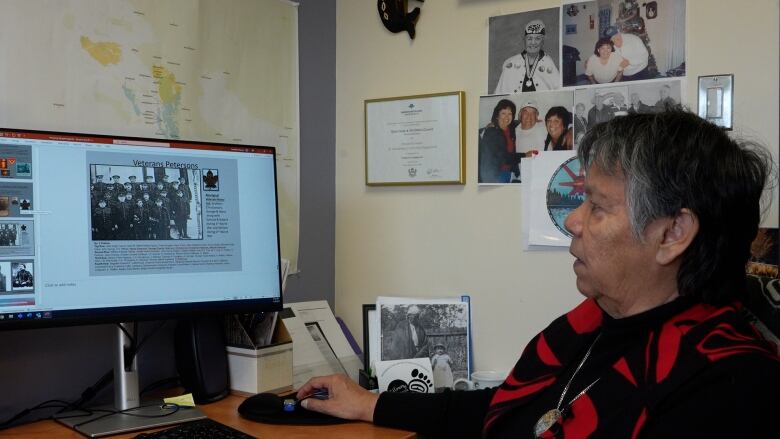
pixel 555 73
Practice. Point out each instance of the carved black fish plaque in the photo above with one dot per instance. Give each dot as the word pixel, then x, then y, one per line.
pixel 395 17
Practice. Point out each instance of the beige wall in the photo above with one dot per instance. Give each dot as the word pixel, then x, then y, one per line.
pixel 446 241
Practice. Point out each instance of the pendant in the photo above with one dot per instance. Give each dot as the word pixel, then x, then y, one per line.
pixel 527 82
pixel 546 421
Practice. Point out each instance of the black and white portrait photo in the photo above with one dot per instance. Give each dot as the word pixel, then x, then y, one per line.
pixel 436 331
pixel 517 127
pixel 22 275
pixel 140 203
pixel 622 40
pixel 523 52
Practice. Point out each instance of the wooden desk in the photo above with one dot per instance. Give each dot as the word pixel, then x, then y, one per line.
pixel 226 412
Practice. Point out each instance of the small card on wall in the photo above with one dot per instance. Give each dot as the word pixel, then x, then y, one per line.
pixel 402 376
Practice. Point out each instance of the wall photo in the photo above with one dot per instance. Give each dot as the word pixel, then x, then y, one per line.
pixel 438 331
pixel 599 104
pixel 623 40
pixel 520 126
pixel 524 51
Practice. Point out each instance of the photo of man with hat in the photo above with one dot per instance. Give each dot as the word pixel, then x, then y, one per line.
pixel 116 186
pixel 408 339
pixel 535 68
pixel 529 133
pixel 133 183
pixel 599 112
pixel 99 187
pixel 532 69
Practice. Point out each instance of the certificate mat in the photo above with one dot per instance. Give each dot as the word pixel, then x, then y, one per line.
pixel 415 140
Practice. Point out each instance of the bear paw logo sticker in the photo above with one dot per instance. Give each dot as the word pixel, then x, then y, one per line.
pixel 418 382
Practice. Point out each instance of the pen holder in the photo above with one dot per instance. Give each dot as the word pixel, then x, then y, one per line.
pixel 266 368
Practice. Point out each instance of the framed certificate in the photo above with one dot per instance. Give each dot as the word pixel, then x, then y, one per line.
pixel 716 100
pixel 414 140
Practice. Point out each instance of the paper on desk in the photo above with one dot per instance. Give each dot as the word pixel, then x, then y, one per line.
pixel 181 400
pixel 308 358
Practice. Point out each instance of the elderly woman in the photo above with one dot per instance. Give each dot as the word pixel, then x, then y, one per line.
pixel 559 133
pixel 604 65
pixel 659 347
pixel 497 145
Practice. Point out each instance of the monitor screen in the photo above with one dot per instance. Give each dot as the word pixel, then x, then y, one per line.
pixel 98 229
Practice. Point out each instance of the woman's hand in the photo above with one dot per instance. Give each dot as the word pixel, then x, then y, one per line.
pixel 346 399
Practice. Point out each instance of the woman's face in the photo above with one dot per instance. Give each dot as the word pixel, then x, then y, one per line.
pixel 505 117
pixel 605 50
pixel 554 126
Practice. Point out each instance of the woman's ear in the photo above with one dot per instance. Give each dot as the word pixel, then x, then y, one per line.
pixel 679 233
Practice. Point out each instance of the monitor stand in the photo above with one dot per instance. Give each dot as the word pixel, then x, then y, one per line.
pixel 101 421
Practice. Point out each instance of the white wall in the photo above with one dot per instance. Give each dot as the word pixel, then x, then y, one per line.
pixel 445 241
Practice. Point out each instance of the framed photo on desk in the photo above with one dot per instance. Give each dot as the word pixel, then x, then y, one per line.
pixel 414 140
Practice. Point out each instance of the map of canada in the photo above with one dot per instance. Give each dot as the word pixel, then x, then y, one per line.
pixel 219 71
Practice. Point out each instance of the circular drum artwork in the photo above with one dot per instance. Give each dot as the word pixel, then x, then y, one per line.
pixel 565 192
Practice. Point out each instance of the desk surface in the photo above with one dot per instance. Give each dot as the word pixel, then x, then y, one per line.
pixel 226 412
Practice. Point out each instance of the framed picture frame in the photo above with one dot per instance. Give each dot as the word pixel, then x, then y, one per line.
pixel 369 312
pixel 416 140
pixel 716 100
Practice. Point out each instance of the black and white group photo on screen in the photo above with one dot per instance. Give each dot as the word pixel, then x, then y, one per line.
pixel 141 203
pixel 520 126
pixel 22 275
pixel 11 233
pixel 622 40
pixel 594 105
pixel 436 331
pixel 523 52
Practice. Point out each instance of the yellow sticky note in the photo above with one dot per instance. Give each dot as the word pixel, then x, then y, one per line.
pixel 182 401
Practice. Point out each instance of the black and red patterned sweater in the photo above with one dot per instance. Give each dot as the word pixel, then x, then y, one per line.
pixel 679 370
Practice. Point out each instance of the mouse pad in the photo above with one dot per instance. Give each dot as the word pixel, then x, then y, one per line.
pixel 269 408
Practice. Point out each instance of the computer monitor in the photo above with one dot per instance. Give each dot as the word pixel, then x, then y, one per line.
pixel 101 229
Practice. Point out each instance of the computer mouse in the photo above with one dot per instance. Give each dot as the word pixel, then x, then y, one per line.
pixel 269 408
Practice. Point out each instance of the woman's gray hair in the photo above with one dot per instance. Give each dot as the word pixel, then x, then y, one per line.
pixel 674 160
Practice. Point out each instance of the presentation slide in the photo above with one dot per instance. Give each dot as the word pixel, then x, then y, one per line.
pixel 86 224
